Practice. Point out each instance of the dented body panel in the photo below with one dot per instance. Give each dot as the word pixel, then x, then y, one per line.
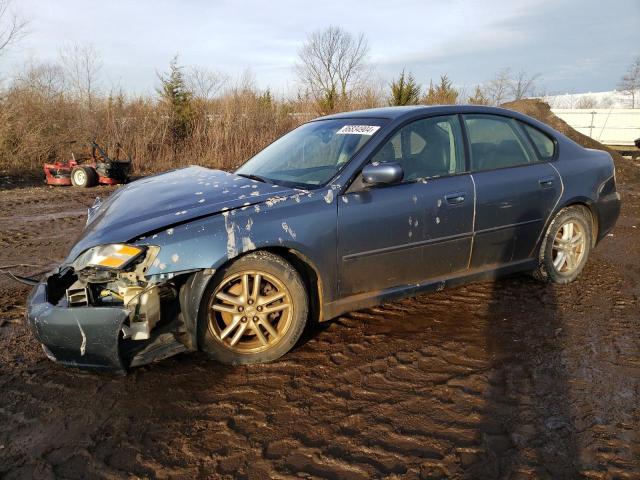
pixel 364 245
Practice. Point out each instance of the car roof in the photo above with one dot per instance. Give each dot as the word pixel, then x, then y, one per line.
pixel 394 113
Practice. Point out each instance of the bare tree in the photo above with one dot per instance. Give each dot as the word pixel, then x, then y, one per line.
pixel 12 27
pixel 498 88
pixel 630 82
pixel 331 63
pixel 45 78
pixel 522 85
pixel 205 84
pixel 82 65
pixel 505 86
pixel 586 101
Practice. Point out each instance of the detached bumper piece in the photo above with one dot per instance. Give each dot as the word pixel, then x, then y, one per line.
pixel 77 336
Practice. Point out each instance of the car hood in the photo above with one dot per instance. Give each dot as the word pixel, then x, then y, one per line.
pixel 167 199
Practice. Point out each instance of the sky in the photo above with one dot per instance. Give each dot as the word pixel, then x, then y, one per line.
pixel 573 45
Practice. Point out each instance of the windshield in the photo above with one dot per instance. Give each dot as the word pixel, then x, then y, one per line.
pixel 312 154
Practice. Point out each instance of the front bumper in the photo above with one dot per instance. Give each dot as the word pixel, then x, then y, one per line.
pixel 79 336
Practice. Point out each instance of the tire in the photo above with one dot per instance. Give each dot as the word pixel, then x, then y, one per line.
pixel 555 268
pixel 84 177
pixel 221 320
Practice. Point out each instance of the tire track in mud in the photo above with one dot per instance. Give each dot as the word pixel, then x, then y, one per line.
pixel 506 379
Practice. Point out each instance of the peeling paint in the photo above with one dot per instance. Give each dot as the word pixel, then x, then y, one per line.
pixel 175 258
pixel 229 226
pixel 439 202
pixel 249 224
pixel 270 202
pixel 329 196
pixel 437 219
pixel 83 344
pixel 289 230
pixel 345 199
pixel 247 244
pixel 170 231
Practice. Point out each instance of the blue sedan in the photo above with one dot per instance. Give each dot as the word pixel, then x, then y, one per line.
pixel 344 212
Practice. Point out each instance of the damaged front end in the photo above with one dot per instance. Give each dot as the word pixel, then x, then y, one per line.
pixel 103 311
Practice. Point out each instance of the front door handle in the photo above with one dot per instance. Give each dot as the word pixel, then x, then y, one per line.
pixel 455 198
pixel 546 182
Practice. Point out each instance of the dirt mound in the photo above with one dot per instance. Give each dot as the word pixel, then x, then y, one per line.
pixel 541 111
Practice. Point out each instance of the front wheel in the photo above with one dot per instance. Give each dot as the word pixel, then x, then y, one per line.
pixel 566 246
pixel 254 311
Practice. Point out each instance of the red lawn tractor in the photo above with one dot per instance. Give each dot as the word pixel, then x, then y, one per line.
pixel 90 169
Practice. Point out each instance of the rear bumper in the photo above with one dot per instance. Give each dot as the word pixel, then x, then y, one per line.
pixel 80 336
pixel 608 209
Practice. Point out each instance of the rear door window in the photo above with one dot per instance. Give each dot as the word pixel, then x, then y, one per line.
pixel 496 142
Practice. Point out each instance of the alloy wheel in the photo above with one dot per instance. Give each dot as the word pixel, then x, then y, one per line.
pixel 250 311
pixel 569 247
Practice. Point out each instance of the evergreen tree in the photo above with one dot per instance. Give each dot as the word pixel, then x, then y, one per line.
pixel 479 98
pixel 265 99
pixel 328 101
pixel 404 91
pixel 441 94
pixel 174 93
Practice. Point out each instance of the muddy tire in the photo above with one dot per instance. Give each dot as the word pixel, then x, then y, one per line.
pixel 84 177
pixel 253 311
pixel 565 248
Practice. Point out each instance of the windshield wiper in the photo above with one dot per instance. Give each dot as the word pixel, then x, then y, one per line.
pixel 251 176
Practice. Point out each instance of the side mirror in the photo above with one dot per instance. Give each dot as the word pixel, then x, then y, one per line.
pixel 382 173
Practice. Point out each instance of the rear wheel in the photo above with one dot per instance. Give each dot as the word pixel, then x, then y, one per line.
pixel 84 177
pixel 566 246
pixel 254 311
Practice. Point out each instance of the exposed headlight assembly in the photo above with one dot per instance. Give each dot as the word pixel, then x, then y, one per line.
pixel 114 257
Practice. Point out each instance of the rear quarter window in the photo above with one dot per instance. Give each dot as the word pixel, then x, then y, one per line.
pixel 544 144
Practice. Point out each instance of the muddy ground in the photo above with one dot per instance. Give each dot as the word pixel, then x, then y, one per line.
pixel 513 379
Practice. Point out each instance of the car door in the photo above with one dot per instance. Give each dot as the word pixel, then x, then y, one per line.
pixel 417 229
pixel 515 191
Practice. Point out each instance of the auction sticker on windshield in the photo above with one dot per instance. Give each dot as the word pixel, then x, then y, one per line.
pixel 358 130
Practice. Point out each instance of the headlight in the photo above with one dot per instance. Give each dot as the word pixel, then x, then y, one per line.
pixel 114 256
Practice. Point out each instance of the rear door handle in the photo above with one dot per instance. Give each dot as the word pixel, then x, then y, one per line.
pixel 455 198
pixel 546 182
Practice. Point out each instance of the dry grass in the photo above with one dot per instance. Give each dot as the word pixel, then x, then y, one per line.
pixel 35 127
